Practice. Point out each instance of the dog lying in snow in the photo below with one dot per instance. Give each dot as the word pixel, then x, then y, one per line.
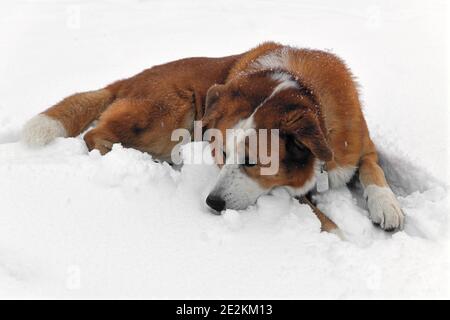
pixel 308 95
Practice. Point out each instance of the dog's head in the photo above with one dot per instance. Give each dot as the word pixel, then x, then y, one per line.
pixel 271 100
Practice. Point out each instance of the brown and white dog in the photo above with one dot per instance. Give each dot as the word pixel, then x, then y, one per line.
pixel 308 95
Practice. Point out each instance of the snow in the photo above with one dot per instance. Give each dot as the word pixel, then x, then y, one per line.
pixel 75 224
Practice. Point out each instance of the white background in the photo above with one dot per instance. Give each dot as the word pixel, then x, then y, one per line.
pixel 74 224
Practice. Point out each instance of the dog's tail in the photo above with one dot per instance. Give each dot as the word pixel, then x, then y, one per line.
pixel 67 118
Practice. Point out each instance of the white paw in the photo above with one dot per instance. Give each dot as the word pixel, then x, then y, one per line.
pixel 384 208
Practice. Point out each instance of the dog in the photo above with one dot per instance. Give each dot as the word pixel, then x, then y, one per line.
pixel 308 96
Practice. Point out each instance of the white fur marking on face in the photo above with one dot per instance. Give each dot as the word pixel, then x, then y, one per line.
pixel 384 208
pixel 281 76
pixel 236 188
pixel 285 82
pixel 42 129
pixel 248 123
pixel 340 176
pixel 241 131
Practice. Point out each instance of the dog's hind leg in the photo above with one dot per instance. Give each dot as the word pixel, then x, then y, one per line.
pixel 141 124
pixel 116 125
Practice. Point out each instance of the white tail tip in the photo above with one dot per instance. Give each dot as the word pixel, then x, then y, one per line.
pixel 42 129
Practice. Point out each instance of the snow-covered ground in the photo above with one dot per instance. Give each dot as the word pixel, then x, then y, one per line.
pixel 75 224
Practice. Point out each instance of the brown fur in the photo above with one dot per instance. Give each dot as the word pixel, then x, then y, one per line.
pixel 79 110
pixel 326 224
pixel 142 111
pixel 327 118
pixel 320 120
pixel 243 63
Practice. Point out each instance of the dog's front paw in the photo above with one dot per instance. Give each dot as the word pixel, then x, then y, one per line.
pixel 384 208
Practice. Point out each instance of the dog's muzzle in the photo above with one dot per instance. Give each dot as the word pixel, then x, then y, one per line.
pixel 216 203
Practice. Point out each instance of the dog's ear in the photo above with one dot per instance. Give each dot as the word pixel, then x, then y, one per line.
pixel 304 128
pixel 212 96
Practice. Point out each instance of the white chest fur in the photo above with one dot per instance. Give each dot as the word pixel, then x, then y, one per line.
pixel 339 176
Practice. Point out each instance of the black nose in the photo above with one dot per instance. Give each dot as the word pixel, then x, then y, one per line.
pixel 215 202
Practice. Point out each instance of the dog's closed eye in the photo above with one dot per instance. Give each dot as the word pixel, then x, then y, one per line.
pixel 296 151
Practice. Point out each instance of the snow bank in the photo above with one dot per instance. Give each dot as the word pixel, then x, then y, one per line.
pixel 125 226
pixel 76 224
